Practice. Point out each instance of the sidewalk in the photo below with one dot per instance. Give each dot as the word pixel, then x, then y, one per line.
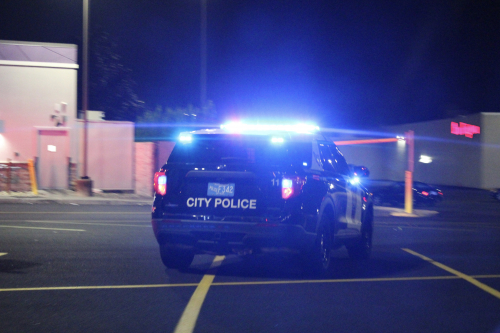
pixel 72 198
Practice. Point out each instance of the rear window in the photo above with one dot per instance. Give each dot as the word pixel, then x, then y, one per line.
pixel 242 149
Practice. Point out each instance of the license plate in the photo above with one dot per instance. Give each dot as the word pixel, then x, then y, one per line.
pixel 433 192
pixel 220 190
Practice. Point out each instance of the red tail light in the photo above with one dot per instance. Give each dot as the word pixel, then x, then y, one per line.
pixel 291 187
pixel 425 193
pixel 160 183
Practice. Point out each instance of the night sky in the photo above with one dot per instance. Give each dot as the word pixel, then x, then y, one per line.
pixel 346 64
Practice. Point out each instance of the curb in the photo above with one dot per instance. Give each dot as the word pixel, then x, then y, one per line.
pixel 399 212
pixel 77 201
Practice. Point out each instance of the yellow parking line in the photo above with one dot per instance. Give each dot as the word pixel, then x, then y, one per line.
pixel 101 287
pixel 39 228
pixel 2 254
pixel 249 283
pixel 190 315
pixel 467 278
pixel 447 277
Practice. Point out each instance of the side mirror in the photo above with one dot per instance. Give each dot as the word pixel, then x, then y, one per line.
pixel 360 171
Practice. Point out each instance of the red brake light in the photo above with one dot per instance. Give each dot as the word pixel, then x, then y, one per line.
pixel 160 183
pixel 425 193
pixel 291 187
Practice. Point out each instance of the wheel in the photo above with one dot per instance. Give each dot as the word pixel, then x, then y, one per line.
pixel 319 257
pixel 174 258
pixel 362 248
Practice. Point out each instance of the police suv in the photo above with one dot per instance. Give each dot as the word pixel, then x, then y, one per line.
pixel 248 188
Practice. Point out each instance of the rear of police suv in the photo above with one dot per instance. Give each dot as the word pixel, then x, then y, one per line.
pixel 230 193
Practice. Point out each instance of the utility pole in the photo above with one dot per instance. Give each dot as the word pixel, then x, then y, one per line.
pixel 203 42
pixel 84 184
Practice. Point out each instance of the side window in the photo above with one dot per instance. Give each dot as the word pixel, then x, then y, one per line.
pixel 339 161
pixel 326 157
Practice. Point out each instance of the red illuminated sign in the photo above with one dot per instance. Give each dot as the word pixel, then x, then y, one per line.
pixel 464 129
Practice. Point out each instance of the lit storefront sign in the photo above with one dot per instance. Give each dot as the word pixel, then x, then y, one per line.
pixel 464 129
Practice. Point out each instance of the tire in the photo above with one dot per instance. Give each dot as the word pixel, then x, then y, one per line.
pixel 319 257
pixel 362 248
pixel 173 258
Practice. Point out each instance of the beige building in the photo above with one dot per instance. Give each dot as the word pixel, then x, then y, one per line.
pixel 38 108
pixel 460 151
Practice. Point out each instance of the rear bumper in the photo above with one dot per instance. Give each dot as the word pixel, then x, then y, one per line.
pixel 228 237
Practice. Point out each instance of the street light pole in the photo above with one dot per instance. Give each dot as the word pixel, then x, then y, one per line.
pixel 85 82
pixel 84 185
pixel 203 74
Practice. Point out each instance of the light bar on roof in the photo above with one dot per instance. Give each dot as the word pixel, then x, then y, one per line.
pixel 186 138
pixel 277 140
pixel 240 127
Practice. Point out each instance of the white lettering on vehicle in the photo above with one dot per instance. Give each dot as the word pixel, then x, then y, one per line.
pixel 225 203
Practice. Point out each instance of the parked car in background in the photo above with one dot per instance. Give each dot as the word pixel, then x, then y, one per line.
pixel 388 192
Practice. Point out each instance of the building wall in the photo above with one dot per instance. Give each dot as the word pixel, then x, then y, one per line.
pixel 490 150
pixel 29 96
pixel 110 154
pixel 457 160
pixel 145 167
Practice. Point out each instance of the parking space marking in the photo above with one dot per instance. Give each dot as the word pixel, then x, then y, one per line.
pixel 2 254
pixel 90 223
pixel 189 317
pixel 137 286
pixel 250 283
pixel 466 277
pixel 39 228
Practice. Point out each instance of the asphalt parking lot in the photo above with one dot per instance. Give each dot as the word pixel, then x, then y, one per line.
pixel 79 268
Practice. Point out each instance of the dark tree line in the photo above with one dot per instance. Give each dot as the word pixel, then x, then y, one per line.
pixel 113 90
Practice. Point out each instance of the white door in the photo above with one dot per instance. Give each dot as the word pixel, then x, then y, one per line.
pixel 53 159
